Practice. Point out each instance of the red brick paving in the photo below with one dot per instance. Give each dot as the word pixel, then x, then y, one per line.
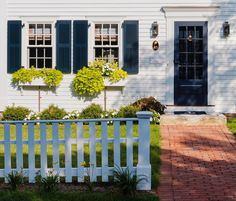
pixel 198 164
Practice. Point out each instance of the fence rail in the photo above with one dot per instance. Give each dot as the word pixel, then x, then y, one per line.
pixel 17 137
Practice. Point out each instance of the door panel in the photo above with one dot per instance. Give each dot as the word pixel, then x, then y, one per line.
pixel 190 64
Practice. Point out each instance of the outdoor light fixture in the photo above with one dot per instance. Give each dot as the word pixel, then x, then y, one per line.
pixel 190 37
pixel 154 29
pixel 226 29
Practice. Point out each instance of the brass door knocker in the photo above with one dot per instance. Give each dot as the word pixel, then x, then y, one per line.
pixel 155 45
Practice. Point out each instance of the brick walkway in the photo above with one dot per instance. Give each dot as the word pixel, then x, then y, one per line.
pixel 198 164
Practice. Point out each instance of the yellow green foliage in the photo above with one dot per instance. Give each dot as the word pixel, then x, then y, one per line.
pixel 88 81
pixel 51 77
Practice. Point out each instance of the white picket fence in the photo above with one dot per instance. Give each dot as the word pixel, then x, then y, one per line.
pixel 143 140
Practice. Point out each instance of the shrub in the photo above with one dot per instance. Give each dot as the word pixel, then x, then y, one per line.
pixel 12 113
pixel 48 184
pixel 53 112
pixel 126 180
pixel 88 81
pixel 127 111
pixel 15 179
pixel 93 111
pixel 51 77
pixel 148 104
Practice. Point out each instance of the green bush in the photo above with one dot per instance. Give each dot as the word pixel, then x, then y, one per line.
pixel 15 179
pixel 48 184
pixel 88 81
pixel 51 77
pixel 148 104
pixel 12 113
pixel 128 111
pixel 93 111
pixel 53 112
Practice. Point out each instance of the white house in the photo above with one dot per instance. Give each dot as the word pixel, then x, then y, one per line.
pixel 182 52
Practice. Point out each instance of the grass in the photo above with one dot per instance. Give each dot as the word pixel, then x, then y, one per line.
pixel 155 148
pixel 33 196
pixel 231 123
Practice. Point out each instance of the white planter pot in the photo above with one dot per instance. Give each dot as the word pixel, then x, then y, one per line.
pixel 35 82
pixel 120 83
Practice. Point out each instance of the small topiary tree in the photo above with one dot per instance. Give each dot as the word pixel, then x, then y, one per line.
pixel 93 111
pixel 53 112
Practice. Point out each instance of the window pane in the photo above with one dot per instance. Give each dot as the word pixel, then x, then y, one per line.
pixel 182 45
pixel 32 29
pixel 106 52
pixel 48 29
pixel 32 63
pixel 190 59
pixel 48 63
pixel 98 40
pixel 98 52
pixel 40 40
pixel 48 39
pixel 199 46
pixel 114 29
pixel 199 59
pixel 40 63
pixel 106 40
pixel 98 29
pixel 40 52
pixel 190 73
pixel 199 32
pixel 48 52
pixel 114 40
pixel 182 32
pixel 199 73
pixel 190 46
pixel 106 28
pixel 39 29
pixel 182 73
pixel 32 40
pixel 114 52
pixel 32 52
pixel 182 58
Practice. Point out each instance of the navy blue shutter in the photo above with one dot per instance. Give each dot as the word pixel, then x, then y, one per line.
pixel 131 46
pixel 14 46
pixel 80 41
pixel 63 46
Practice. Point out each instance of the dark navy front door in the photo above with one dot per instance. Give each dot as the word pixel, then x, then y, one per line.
pixel 190 63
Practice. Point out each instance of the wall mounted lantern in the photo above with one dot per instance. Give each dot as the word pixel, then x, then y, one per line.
pixel 226 29
pixel 154 29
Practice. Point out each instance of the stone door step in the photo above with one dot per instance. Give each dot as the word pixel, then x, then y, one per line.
pixel 193 119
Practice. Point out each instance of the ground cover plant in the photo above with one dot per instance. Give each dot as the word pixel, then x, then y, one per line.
pixel 73 196
pixel 231 123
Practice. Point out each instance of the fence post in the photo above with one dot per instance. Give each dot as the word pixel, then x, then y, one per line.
pixel 144 166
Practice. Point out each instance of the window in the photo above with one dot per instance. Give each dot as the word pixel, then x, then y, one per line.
pixel 106 42
pixel 40 45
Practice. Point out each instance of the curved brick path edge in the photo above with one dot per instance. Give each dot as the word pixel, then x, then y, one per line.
pixel 198 164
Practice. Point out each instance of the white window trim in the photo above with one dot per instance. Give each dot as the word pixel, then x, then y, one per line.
pixel 91 38
pixel 25 38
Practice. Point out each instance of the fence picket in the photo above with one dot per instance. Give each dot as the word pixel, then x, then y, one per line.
pixel 104 152
pixel 55 139
pixel 68 165
pixel 43 149
pixel 129 144
pixel 92 147
pixel 19 147
pixel 80 152
pixel 117 143
pixel 143 167
pixel 7 150
pixel 31 154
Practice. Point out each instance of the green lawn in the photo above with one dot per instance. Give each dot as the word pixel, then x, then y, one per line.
pixel 232 125
pixel 155 148
pixel 58 196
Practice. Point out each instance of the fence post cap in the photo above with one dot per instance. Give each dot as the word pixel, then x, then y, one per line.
pixel 144 114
